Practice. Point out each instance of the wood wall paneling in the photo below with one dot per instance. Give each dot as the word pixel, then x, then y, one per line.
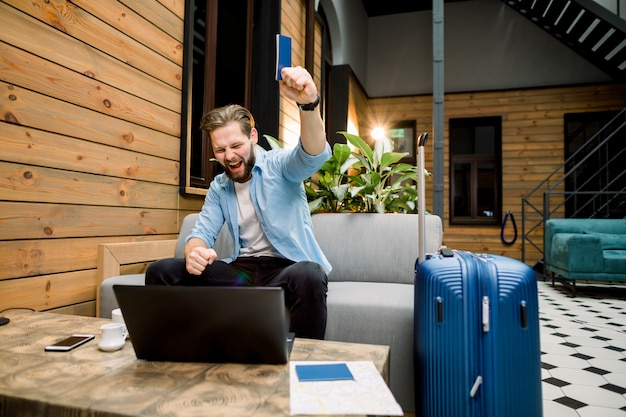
pixel 37 74
pixel 28 108
pixel 22 31
pixel 25 220
pixel 36 147
pixel 90 102
pixel 39 184
pixel 28 258
pixel 98 35
pixel 175 6
pixel 163 36
pixel 532 146
pixel 48 291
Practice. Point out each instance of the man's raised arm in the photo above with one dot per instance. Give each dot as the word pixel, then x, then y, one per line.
pixel 298 85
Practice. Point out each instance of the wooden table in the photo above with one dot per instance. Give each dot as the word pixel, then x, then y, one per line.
pixel 88 381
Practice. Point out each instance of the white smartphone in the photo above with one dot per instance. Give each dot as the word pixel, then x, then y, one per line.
pixel 69 343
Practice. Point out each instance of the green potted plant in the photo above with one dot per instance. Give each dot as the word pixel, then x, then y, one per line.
pixel 364 180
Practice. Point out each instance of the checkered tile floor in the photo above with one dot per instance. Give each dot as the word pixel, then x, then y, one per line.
pixel 583 345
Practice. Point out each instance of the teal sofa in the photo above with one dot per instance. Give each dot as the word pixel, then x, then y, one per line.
pixel 585 249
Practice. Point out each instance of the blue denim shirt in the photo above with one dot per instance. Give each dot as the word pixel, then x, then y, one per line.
pixel 279 200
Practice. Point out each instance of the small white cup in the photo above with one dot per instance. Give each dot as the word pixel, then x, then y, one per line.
pixel 113 337
pixel 116 317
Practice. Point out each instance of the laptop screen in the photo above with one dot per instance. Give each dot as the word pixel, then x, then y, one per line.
pixel 205 324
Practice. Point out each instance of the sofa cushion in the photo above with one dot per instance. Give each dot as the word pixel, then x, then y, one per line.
pixel 615 261
pixel 374 247
pixel 380 303
pixel 610 240
pixel 224 245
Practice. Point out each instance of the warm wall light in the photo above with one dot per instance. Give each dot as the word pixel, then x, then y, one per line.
pixel 378 133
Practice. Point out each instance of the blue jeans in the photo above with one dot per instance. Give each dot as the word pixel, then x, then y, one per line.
pixel 305 284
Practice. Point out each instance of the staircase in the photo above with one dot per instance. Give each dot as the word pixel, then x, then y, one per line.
pixel 583 25
pixel 591 183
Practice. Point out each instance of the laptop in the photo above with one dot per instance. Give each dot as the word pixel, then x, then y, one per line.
pixel 206 324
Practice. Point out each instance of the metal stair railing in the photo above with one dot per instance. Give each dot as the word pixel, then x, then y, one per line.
pixel 596 206
pixel 584 26
pixel 606 190
pixel 549 197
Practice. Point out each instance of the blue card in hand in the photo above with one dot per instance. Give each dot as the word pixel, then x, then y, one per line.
pixel 283 54
pixel 324 372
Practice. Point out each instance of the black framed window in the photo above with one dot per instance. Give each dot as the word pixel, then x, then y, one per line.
pixel 229 59
pixel 475 167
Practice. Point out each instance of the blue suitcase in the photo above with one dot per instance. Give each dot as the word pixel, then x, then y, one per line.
pixel 476 337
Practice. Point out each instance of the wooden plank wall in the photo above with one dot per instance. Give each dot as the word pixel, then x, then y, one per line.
pixel 90 138
pixel 358 110
pixel 532 145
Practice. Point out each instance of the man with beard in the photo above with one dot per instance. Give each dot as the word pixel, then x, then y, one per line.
pixel 260 196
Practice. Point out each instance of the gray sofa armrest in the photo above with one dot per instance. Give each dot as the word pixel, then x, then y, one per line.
pixel 112 256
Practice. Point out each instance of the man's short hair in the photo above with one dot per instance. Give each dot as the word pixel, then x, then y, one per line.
pixel 221 116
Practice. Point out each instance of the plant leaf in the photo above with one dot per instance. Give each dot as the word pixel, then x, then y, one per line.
pixel 340 191
pixel 354 191
pixel 348 164
pixel 315 204
pixel 341 152
pixel 391 158
pixel 274 143
pixel 382 147
pixel 360 144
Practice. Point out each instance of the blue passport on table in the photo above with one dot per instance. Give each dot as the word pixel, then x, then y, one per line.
pixel 324 372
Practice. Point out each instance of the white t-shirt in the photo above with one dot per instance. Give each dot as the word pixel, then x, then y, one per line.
pixel 253 239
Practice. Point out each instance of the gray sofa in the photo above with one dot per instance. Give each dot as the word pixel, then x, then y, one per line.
pixel 370 294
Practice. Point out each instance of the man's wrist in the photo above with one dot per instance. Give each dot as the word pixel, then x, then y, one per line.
pixel 310 106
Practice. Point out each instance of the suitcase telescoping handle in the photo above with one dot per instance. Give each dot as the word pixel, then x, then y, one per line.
pixel 421 191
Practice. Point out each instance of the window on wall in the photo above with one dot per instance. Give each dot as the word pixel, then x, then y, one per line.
pixel 220 68
pixel 475 155
pixel 402 135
